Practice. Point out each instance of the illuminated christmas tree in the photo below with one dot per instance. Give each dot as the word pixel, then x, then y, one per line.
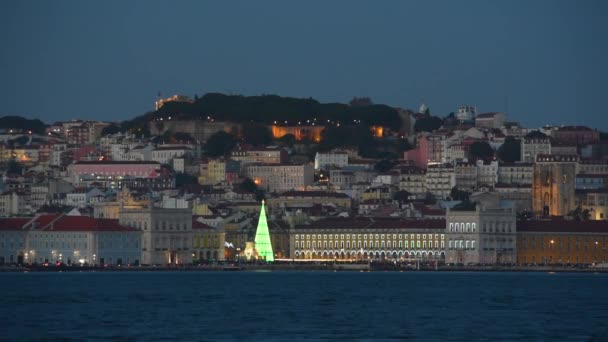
pixel 262 238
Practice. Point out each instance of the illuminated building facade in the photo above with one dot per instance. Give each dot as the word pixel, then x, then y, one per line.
pixel 553 185
pixel 559 241
pixel 279 177
pixel 369 238
pixel 312 133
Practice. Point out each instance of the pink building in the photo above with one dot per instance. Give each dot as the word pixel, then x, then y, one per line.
pixel 104 169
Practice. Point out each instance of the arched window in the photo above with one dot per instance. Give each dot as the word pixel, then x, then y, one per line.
pixel 473 227
pixel 473 244
pixel 468 227
pixel 467 244
pixel 297 244
pixel 347 244
pixel 388 244
pixel 450 244
pixel 314 244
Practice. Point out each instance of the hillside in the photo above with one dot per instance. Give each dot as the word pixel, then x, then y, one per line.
pixel 270 108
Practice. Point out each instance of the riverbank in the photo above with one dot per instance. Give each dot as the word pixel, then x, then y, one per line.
pixel 329 267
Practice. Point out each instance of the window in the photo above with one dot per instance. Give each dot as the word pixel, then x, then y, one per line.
pixel 297 244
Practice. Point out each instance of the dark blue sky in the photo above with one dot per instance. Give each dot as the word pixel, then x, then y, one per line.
pixel 108 60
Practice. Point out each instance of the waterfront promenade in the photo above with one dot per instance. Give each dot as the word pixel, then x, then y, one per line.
pixel 312 266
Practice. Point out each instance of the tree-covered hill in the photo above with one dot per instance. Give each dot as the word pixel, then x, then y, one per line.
pixel 270 108
pixel 20 123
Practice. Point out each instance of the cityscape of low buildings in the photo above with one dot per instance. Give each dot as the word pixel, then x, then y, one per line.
pixel 81 195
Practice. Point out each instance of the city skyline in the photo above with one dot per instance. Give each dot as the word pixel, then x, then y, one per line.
pixel 540 63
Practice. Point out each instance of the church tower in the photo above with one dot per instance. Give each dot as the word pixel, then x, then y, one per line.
pixel 553 185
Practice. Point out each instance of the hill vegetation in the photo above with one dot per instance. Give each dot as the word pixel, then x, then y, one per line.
pixel 20 123
pixel 267 109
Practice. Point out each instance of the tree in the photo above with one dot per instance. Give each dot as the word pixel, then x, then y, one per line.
pixel 428 124
pixel 182 179
pixel 14 167
pixel 579 214
pixel 111 129
pixel 384 165
pixel 248 185
pixel 510 150
pixel 464 206
pixel 219 144
pixel 481 150
pixel 459 195
pixel 23 124
pixel 256 134
pixel 402 196
pixel 361 102
pixel 287 140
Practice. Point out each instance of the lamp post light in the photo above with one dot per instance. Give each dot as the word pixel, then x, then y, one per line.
pixel 552 242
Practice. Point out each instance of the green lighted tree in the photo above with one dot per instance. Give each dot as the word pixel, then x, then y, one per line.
pixel 262 238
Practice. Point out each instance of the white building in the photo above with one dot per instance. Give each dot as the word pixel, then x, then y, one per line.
pixel 487 173
pixel 330 159
pixel 466 176
pixel 466 113
pixel 412 180
pixel 277 178
pixel 166 233
pixel 440 179
pixel 515 173
pixel 533 144
pixel 164 154
pixel 12 203
pixel 490 120
pixel 69 240
pixel 481 236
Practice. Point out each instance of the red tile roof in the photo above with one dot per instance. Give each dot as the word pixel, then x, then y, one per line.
pixel 78 223
pixel 13 223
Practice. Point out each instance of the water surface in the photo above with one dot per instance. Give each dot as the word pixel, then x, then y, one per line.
pixel 295 306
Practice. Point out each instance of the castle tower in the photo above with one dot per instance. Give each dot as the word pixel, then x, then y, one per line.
pixel 262 238
pixel 553 184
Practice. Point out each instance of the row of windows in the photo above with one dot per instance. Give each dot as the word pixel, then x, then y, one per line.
pixel 462 227
pixel 377 244
pixel 461 244
pixel 371 236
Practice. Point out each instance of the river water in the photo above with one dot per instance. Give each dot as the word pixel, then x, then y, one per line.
pixel 298 306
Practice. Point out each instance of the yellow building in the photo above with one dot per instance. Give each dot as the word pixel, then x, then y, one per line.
pixel 383 192
pixel 207 242
pixel 559 241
